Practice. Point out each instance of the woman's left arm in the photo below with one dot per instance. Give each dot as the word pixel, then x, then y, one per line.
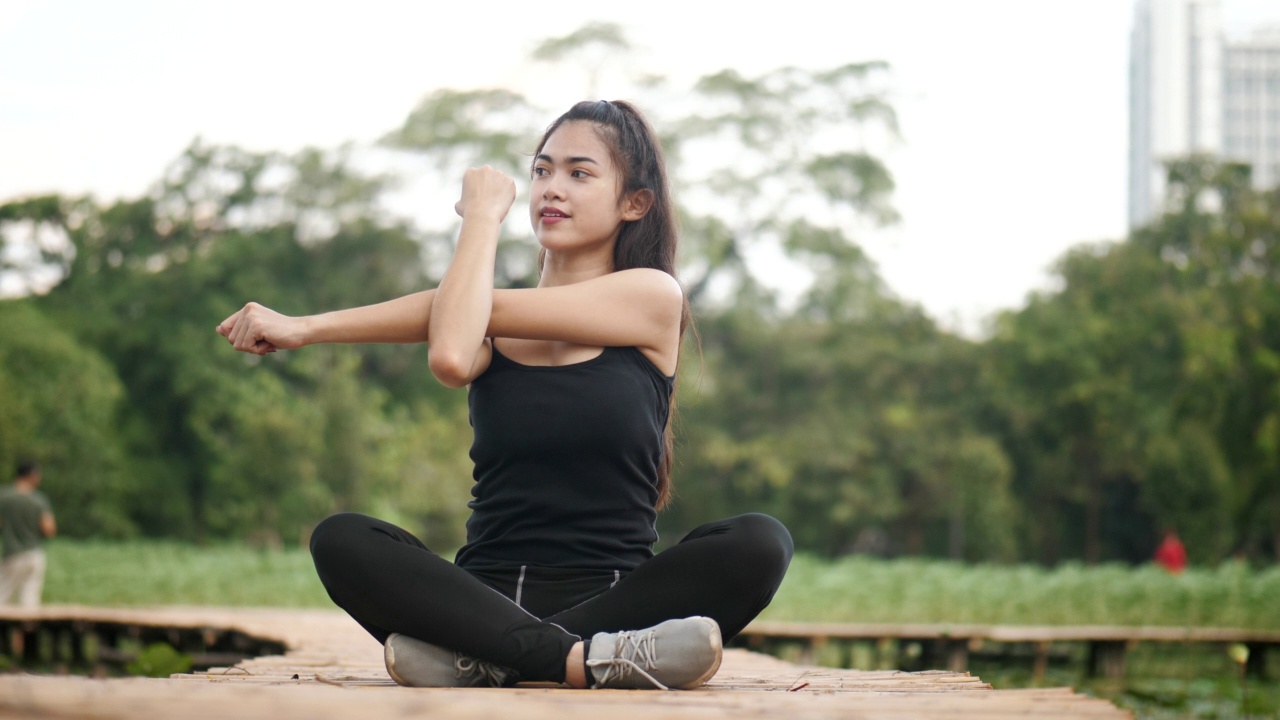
pixel 641 307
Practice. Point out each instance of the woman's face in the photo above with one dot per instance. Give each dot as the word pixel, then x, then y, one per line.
pixel 573 199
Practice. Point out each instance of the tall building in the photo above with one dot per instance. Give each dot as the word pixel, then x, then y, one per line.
pixel 1251 97
pixel 1175 93
pixel 1191 90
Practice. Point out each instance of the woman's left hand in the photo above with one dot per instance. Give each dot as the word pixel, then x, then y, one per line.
pixel 260 330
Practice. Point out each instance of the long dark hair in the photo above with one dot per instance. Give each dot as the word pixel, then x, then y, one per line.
pixel 649 242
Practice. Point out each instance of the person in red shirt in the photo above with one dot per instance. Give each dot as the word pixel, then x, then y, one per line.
pixel 1171 554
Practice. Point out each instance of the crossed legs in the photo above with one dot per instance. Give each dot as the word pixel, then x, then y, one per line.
pixel 389 582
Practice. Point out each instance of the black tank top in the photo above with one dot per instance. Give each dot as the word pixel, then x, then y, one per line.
pixel 566 462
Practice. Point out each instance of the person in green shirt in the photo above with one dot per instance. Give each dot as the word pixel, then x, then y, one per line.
pixel 26 521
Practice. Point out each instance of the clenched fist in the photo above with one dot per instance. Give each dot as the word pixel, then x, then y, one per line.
pixel 486 192
pixel 260 330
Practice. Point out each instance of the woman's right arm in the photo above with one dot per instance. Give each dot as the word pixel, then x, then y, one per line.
pixel 259 330
pixel 463 304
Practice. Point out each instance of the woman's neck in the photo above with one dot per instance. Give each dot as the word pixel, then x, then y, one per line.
pixel 559 269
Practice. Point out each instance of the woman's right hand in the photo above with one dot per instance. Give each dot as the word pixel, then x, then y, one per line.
pixel 260 330
pixel 486 192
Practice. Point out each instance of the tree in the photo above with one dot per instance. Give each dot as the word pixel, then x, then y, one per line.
pixel 61 404
pixel 1135 395
pixel 837 406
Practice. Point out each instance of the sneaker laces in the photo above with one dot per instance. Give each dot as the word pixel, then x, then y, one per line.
pixel 632 649
pixel 466 666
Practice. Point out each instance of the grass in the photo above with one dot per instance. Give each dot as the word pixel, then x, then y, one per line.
pixel 928 591
pixel 849 590
pixel 155 572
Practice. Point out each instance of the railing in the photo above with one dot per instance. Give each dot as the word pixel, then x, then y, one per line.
pixel 96 643
pixel 948 646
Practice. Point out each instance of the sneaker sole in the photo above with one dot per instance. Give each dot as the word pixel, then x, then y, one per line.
pixel 389 658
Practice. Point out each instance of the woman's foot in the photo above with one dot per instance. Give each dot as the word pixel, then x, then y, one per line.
pixel 414 663
pixel 681 654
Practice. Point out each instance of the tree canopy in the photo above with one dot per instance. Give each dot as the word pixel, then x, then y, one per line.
pixel 1142 394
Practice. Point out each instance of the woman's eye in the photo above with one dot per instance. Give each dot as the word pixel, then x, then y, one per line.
pixel 539 171
pixel 579 173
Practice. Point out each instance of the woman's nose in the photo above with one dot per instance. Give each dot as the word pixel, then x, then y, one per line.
pixel 552 189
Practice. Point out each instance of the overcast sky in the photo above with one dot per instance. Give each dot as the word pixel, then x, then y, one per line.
pixel 1013 112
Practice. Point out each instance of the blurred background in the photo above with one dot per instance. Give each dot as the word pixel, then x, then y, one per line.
pixel 931 322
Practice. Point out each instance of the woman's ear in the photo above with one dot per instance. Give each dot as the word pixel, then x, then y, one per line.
pixel 635 205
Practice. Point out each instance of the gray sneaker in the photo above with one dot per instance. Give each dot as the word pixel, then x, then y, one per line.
pixel 680 654
pixel 414 663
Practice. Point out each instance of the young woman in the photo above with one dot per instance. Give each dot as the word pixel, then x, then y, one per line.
pixel 570 396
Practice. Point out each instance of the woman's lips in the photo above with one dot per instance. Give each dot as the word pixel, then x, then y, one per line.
pixel 551 216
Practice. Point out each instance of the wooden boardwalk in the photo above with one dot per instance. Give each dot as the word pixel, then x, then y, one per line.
pixel 332 669
pixel 949 645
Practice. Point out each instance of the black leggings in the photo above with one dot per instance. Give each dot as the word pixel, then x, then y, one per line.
pixel 528 619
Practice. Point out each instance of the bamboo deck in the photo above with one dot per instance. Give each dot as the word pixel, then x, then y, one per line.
pixel 332 669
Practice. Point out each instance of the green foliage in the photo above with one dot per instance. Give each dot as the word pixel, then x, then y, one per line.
pixel 606 35
pixel 221 445
pixel 152 572
pixel 840 430
pixel 470 126
pixel 1139 396
pixel 61 403
pixel 857 589
pixel 867 590
pixel 1162 682
pixel 770 162
pixel 159 660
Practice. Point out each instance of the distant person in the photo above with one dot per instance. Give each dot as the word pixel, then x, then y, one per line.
pixel 1171 554
pixel 26 521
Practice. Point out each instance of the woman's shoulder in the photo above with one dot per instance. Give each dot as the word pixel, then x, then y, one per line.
pixel 646 274
pixel 650 280
pixel 660 292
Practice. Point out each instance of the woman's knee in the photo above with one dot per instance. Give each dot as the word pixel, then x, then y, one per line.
pixel 336 531
pixel 754 542
pixel 768 538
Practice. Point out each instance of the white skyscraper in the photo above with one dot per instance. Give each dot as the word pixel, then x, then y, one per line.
pixel 1175 93
pixel 1193 91
pixel 1251 127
